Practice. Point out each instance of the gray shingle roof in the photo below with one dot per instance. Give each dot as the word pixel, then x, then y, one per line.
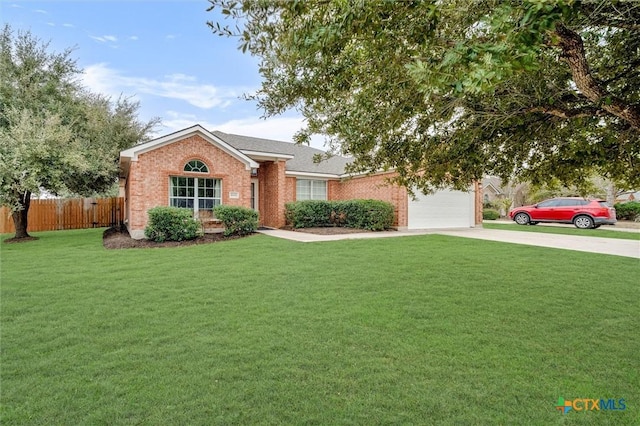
pixel 302 160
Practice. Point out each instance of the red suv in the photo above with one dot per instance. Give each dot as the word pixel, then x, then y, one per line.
pixel 583 213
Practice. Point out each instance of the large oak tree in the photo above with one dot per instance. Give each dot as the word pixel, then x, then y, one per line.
pixel 447 91
pixel 55 135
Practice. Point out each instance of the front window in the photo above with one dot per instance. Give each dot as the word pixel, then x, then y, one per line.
pixel 308 189
pixel 199 194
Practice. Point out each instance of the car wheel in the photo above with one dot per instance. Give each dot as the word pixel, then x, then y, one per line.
pixel 596 226
pixel 583 222
pixel 521 218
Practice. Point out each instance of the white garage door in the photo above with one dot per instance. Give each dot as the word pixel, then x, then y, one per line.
pixel 442 209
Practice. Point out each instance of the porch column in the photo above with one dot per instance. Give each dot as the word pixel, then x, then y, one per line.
pixel 273 190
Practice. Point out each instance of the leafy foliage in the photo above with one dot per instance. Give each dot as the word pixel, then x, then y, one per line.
pixel 308 213
pixel 374 215
pixel 490 214
pixel 237 220
pixel 171 224
pixel 54 134
pixel 445 92
pixel 628 211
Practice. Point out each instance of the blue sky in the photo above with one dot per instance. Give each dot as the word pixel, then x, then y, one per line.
pixel 161 53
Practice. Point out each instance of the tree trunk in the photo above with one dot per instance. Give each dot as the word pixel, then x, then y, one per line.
pixel 20 220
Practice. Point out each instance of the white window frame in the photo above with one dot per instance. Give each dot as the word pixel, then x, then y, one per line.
pixel 217 200
pixel 314 190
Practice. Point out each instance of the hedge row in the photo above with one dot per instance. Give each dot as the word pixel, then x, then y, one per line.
pixel 178 224
pixel 628 211
pixel 374 215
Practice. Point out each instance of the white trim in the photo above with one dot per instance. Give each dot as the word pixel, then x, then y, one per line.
pixel 134 152
pixel 311 175
pixel 263 156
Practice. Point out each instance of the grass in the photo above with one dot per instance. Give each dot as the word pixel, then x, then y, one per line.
pixel 602 232
pixel 412 330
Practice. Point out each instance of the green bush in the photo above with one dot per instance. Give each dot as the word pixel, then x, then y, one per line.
pixel 628 211
pixel 490 214
pixel 237 220
pixel 374 215
pixel 171 224
pixel 308 213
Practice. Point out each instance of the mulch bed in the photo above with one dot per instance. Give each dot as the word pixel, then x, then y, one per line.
pixel 120 239
pixel 114 238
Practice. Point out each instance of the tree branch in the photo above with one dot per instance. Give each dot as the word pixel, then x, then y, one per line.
pixel 573 54
pixel 567 113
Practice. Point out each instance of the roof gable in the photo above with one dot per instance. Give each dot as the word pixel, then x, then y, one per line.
pixel 300 158
pixel 132 153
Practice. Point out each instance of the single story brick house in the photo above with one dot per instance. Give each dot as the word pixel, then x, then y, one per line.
pixel 198 169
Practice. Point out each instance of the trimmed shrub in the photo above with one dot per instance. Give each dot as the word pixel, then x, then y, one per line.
pixel 374 215
pixel 628 211
pixel 171 224
pixel 237 220
pixel 490 214
pixel 308 213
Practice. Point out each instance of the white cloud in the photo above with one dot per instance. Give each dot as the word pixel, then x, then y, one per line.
pixel 68 25
pixel 105 38
pixel 101 78
pixel 276 128
pixel 44 12
pixel 133 38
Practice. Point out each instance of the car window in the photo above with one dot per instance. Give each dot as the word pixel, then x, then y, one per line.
pixel 571 202
pixel 604 204
pixel 549 203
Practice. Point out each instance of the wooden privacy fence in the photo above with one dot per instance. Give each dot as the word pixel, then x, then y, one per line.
pixel 71 213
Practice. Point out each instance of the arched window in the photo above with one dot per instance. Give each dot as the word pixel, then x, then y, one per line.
pixel 196 166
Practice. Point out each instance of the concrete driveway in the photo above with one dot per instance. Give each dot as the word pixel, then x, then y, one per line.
pixel 616 247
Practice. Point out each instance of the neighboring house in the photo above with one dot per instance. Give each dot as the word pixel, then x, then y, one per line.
pixel 197 169
pixel 491 189
pixel 503 197
pixel 627 196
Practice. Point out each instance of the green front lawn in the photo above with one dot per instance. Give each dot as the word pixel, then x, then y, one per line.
pixel 411 330
pixel 601 232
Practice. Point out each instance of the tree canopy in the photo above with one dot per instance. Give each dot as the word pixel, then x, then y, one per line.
pixel 445 92
pixel 55 135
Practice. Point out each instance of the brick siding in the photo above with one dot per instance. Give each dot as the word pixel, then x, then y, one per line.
pixel 375 187
pixel 148 181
